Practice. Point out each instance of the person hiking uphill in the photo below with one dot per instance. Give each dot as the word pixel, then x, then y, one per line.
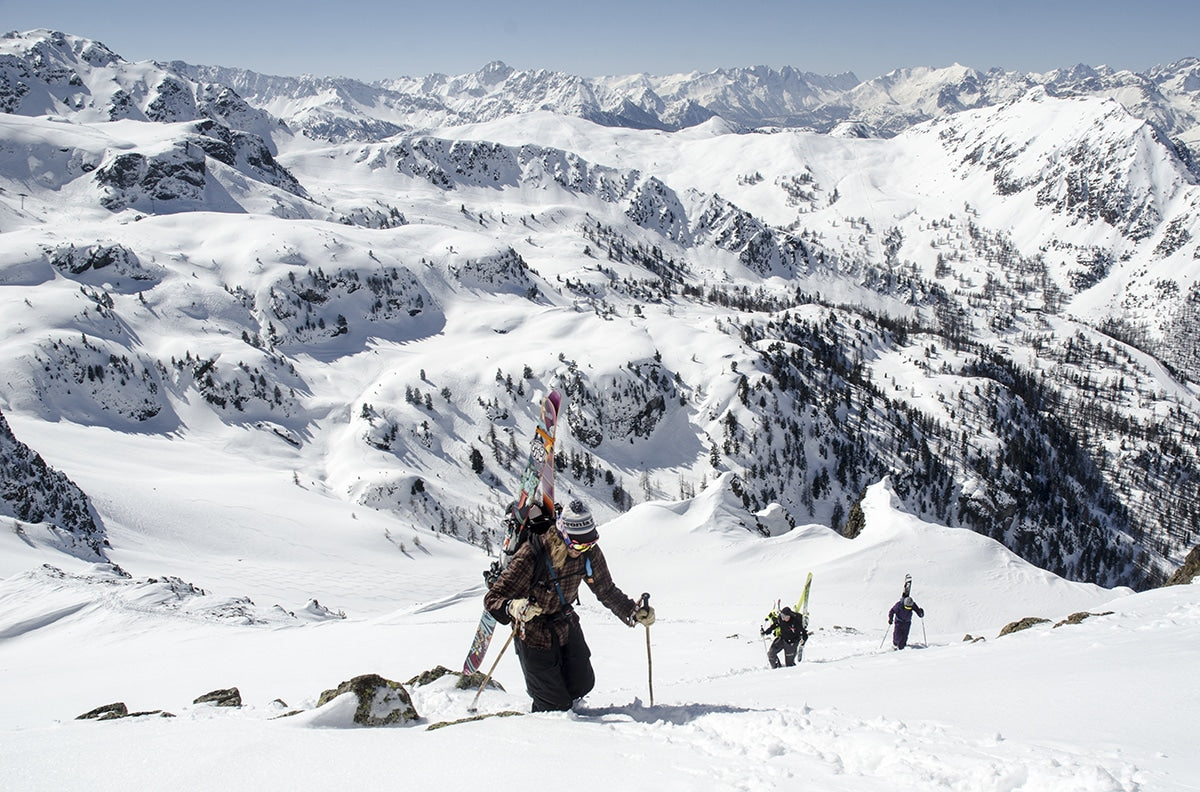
pixel 537 592
pixel 790 636
pixel 901 614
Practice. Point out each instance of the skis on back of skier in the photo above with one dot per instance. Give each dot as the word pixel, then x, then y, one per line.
pixel 802 603
pixel 536 489
pixel 907 586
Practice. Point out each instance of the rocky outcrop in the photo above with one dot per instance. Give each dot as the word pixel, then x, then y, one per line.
pixel 1077 618
pixel 1022 624
pixel 32 491
pixel 118 710
pixel 1186 573
pixel 381 702
pixel 106 712
pixel 465 681
pixel 226 697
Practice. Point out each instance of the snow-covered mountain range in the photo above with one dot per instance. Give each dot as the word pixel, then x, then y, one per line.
pixel 272 350
pixel 985 286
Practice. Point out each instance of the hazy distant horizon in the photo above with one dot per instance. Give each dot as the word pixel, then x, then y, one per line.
pixel 371 40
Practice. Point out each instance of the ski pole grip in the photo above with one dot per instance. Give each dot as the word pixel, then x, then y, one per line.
pixel 645 603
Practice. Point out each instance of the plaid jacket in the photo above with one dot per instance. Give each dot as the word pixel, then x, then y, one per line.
pixel 529 575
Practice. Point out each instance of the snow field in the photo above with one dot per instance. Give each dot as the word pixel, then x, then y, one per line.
pixel 1079 707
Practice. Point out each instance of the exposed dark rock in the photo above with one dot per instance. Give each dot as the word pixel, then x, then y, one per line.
pixel 1076 618
pixel 465 681
pixel 36 492
pixel 106 712
pixel 381 702
pixel 229 697
pixel 1186 573
pixel 427 677
pixel 473 681
pixel 1023 624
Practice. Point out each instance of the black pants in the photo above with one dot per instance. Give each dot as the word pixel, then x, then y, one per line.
pixel 555 677
pixel 900 634
pixel 789 652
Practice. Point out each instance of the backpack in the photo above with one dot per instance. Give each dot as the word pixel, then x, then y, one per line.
pixel 516 534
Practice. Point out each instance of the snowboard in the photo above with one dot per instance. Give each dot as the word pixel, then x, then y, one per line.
pixel 536 488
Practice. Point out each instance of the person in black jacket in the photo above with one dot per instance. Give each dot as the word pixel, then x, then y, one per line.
pixel 537 593
pixel 790 637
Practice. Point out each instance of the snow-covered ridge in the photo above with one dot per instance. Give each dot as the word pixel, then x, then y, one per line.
pixel 820 310
pixel 331 108
pixel 46 72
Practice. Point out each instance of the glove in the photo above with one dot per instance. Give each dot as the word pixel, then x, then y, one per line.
pixel 644 615
pixel 522 610
pixel 889 621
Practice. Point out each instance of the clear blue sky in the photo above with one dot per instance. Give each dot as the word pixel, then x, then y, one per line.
pixel 373 39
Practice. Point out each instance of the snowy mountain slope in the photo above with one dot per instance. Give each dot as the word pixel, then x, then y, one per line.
pixel 918 228
pixel 151 168
pixel 643 230
pixel 46 72
pixel 1021 711
pixel 292 376
pixel 925 202
pixel 753 97
pixel 45 507
pixel 1081 174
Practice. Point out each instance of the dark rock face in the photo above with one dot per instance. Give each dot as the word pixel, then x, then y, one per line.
pixel 36 492
pixel 1186 573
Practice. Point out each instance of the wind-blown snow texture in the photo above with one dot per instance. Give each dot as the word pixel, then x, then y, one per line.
pixel 272 347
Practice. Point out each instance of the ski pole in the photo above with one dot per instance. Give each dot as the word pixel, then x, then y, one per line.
pixel 885 632
pixel 491 670
pixel 649 661
pixel 923 635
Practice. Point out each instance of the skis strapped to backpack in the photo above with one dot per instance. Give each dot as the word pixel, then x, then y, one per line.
pixel 907 586
pixel 536 490
pixel 802 604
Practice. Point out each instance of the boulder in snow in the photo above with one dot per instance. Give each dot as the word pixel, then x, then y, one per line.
pixel 465 681
pixel 229 697
pixel 381 702
pixel 1022 624
pixel 1076 618
pixel 106 712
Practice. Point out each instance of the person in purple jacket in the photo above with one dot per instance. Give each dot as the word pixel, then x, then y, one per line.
pixel 901 615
